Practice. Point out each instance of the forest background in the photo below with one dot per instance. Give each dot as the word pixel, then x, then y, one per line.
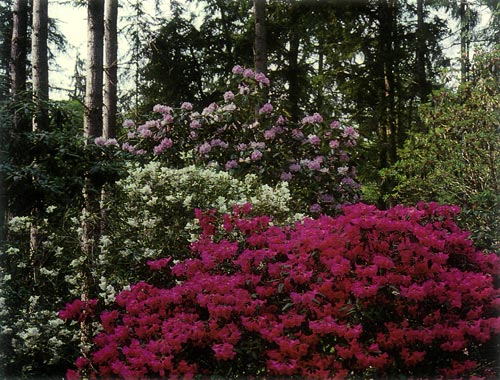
pixel 81 217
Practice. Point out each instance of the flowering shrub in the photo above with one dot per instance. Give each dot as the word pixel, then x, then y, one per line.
pixel 33 283
pixel 244 133
pixel 150 214
pixel 401 292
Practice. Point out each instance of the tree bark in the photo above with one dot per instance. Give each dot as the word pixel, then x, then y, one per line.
pixel 260 45
pixel 111 68
pixel 424 87
pixel 92 124
pixel 40 66
pixel 92 119
pixel 387 132
pixel 293 75
pixel 20 121
pixel 464 40
pixel 17 64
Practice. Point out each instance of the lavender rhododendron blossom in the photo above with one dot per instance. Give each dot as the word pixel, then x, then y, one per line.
pixel 266 108
pixel 187 106
pixel 228 96
pixel 256 155
pixel 397 293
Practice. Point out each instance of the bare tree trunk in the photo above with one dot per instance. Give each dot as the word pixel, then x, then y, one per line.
pixel 424 88
pixel 260 45
pixel 111 68
pixel 40 68
pixel 464 40
pixel 92 119
pixel 293 75
pixel 20 122
pixel 92 123
pixel 17 64
pixel 40 78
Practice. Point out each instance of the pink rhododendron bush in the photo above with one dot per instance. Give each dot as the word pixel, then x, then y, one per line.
pixel 401 292
pixel 245 133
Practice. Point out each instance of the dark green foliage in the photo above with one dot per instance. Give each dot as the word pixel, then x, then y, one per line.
pixel 457 160
pixel 192 63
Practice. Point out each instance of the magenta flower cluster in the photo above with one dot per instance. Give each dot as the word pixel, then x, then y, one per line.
pixel 370 293
pixel 245 133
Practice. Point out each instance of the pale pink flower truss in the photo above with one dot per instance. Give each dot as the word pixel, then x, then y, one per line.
pixel 128 123
pixel 205 148
pixel 266 108
pixel 237 69
pixel 228 96
pixel 160 108
pixel 256 155
pixel 99 141
pixel 187 106
pixel 261 78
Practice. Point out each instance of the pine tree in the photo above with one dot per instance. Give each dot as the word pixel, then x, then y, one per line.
pixel 40 65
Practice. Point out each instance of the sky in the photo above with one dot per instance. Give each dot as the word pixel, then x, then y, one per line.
pixel 72 23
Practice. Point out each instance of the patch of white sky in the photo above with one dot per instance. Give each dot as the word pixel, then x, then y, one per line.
pixel 72 23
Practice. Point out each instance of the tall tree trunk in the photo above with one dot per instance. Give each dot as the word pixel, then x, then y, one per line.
pixel 387 123
pixel 260 43
pixel 17 64
pixel 293 66
pixel 424 88
pixel 111 68
pixel 20 122
pixel 40 78
pixel 464 40
pixel 92 120
pixel 40 66
pixel 92 128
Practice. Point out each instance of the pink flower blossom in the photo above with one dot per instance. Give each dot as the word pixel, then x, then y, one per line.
pixel 286 176
pixel 127 123
pixel 242 146
pixel 270 134
pixel 315 118
pixel 111 142
pixel 256 155
pixel 334 144
pixel 248 73
pixel 159 264
pixel 195 124
pixel 350 132
pixel 205 148
pixel 160 108
pixel 313 139
pixel 266 108
pixel 335 124
pixel 223 351
pixel 210 109
pixel 315 208
pixel 228 96
pixel 232 164
pixel 99 141
pixel 261 78
pixel 128 148
pixel 187 106
pixel 297 134
pixel 237 69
